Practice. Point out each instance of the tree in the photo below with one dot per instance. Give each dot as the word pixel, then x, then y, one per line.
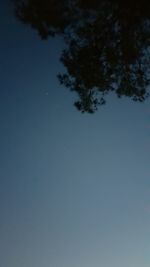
pixel 107 45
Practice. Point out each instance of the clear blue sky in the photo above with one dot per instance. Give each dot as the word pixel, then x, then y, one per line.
pixel 74 188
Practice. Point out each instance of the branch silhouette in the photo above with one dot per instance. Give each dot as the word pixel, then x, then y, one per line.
pixel 107 45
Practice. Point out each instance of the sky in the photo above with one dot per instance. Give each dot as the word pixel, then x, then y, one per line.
pixel 74 188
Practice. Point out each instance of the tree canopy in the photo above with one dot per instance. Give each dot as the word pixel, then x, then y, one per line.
pixel 107 45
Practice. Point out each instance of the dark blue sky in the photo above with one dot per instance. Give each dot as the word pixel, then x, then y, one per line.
pixel 74 188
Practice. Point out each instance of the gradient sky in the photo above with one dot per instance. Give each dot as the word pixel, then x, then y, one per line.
pixel 74 188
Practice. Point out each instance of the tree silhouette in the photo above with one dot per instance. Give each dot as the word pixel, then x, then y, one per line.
pixel 107 45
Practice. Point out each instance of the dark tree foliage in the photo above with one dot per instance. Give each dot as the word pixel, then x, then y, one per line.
pixel 107 45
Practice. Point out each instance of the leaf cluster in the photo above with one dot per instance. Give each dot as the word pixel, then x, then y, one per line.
pixel 107 45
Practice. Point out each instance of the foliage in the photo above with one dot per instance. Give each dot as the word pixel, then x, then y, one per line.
pixel 107 45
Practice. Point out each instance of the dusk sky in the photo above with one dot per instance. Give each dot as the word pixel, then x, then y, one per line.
pixel 74 188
